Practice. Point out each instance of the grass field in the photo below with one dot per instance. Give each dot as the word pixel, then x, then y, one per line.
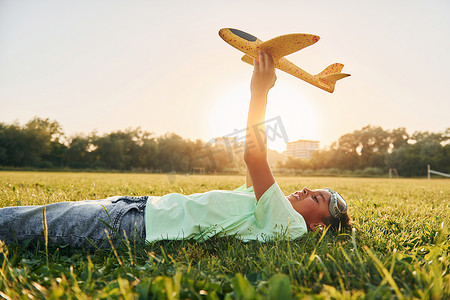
pixel 399 247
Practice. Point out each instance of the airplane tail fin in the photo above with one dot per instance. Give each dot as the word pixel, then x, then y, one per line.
pixel 330 75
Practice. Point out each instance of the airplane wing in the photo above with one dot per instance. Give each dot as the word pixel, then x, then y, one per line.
pixel 286 44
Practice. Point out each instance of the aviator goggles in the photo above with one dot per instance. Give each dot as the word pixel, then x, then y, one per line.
pixel 338 206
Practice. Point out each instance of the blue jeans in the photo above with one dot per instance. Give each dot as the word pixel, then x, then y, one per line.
pixel 73 223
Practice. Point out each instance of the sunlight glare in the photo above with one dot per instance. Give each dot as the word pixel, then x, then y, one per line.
pixel 229 112
pixel 299 116
pixel 228 116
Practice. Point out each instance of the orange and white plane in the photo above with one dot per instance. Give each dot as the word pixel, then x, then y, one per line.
pixel 279 47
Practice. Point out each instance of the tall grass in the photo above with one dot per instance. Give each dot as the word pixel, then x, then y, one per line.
pixel 399 247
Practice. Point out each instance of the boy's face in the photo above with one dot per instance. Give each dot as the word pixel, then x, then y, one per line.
pixel 313 205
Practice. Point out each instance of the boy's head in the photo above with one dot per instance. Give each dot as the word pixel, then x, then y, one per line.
pixel 321 208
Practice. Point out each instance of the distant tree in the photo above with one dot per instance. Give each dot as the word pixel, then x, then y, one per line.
pixel 78 154
pixel 148 154
pixel 423 148
pixel 357 150
pixel 295 163
pixel 14 147
pixel 39 144
pixel 374 143
pixel 208 157
pixel 171 153
pixel 48 141
pixel 345 153
pixel 117 150
pixel 398 138
pixel 50 129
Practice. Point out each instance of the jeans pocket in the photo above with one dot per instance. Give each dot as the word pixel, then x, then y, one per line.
pixel 128 199
pixel 140 202
pixel 126 205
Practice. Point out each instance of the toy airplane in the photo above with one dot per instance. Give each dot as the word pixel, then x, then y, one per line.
pixel 279 47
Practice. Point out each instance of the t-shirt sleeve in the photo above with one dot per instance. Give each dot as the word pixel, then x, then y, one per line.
pixel 243 188
pixel 275 214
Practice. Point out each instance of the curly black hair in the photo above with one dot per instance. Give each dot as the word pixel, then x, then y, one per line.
pixel 344 223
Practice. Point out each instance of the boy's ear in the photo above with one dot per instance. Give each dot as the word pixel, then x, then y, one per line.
pixel 317 226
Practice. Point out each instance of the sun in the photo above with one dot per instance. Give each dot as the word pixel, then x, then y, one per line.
pixel 228 114
pixel 298 115
pixel 288 112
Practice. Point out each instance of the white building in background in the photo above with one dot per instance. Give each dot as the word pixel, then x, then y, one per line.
pixel 302 148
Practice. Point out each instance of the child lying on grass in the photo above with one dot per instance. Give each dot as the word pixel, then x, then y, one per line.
pixel 257 211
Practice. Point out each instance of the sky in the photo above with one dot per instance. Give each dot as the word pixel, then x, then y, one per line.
pixel 109 65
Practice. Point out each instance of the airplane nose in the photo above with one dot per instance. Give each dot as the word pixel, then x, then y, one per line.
pixel 222 31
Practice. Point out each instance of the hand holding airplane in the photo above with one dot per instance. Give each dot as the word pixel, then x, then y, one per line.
pixel 279 47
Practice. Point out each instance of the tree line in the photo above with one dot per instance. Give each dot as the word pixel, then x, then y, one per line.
pixel 373 151
pixel 41 143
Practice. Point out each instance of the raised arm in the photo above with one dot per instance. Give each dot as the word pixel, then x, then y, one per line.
pixel 255 154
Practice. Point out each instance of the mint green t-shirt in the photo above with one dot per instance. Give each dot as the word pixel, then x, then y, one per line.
pixel 203 215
